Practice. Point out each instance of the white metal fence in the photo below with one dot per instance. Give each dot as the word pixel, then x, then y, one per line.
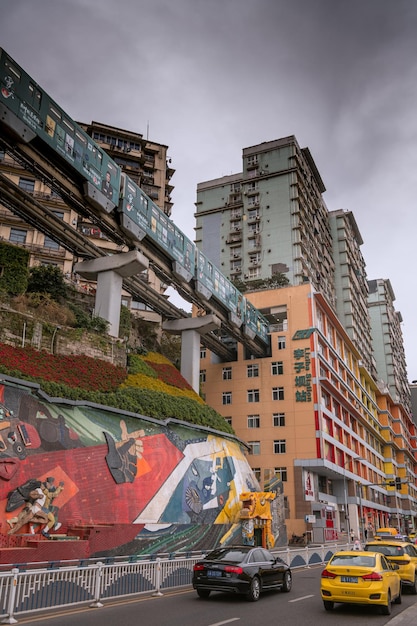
pixel 29 589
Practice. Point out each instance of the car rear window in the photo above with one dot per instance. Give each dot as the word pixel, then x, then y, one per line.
pixel 387 550
pixel 349 559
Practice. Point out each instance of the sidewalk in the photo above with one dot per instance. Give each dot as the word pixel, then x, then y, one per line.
pixel 406 618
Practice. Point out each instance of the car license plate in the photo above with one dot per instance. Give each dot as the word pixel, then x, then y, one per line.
pixel 349 579
pixel 213 573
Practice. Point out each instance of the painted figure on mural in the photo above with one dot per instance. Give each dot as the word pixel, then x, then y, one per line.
pixel 123 455
pixel 50 492
pixel 31 513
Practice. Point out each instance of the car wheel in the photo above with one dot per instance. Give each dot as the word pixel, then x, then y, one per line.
pixel 413 588
pixel 203 593
pixel 398 599
pixel 254 590
pixel 386 608
pixel 287 584
pixel 328 605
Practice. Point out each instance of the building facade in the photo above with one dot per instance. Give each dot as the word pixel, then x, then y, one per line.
pixel 313 415
pixel 340 433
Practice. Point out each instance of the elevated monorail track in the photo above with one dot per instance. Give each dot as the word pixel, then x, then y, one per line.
pixel 36 212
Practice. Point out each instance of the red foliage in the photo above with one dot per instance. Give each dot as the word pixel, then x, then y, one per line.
pixel 169 375
pixel 74 370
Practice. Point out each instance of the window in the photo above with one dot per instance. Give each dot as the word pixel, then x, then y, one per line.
pixel 27 184
pixel 202 353
pixel 281 343
pixel 227 397
pixel 278 393
pixel 202 376
pixel 227 373
pixel 59 214
pixel 228 420
pixel 254 421
pixel 282 473
pixel 255 447
pixel 50 243
pixel 277 367
pixel 253 395
pixel 257 472
pixel 278 419
pixel 279 446
pixel 252 371
pixel 18 235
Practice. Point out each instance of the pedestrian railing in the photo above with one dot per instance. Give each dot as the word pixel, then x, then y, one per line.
pixel 26 589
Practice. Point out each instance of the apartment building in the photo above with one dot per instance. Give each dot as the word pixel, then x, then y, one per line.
pixel 388 340
pixel 269 219
pixel 339 434
pixel 313 415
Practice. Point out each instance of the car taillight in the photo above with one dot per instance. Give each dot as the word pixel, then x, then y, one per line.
pixel 233 569
pixel 198 567
pixel 372 576
pixel 326 574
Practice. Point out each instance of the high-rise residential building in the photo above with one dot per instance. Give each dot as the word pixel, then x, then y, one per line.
pixel 269 219
pixel 351 283
pixel 314 411
pixel 388 341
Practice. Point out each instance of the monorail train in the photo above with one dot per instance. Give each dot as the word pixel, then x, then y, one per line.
pixel 32 116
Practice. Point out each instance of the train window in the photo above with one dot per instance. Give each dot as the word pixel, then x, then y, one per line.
pixel 68 125
pixel 35 95
pixel 13 70
pixel 80 138
pixel 55 113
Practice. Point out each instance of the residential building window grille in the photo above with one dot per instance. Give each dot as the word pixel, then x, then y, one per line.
pixel 277 367
pixel 253 395
pixel 227 373
pixel 281 472
pixel 27 184
pixel 18 235
pixel 202 376
pixel 278 393
pixel 227 397
pixel 278 419
pixel 280 446
pixel 253 371
pixel 255 447
pixel 50 243
pixel 281 342
pixel 257 472
pixel 254 421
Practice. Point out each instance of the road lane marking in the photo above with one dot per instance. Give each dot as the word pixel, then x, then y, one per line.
pixel 302 598
pixel 227 621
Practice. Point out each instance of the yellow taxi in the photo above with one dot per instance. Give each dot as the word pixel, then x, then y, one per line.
pixel 359 577
pixel 403 554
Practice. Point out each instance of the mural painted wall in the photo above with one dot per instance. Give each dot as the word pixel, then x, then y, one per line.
pixel 67 465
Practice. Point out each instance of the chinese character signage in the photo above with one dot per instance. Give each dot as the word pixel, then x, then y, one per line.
pixel 302 381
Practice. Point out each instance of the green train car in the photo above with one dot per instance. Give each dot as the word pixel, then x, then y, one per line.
pixel 27 112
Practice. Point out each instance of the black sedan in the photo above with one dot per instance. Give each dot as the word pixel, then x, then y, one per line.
pixel 247 570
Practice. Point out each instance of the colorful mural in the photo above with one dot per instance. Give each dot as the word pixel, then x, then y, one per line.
pixel 66 466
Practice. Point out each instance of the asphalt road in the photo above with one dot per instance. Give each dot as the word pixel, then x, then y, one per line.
pixel 182 607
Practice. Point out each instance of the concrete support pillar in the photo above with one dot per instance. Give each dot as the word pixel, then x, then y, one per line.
pixel 109 272
pixel 190 329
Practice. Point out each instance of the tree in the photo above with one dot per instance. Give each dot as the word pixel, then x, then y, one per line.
pixel 47 279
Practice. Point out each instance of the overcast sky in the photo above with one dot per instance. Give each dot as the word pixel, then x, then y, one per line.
pixel 210 77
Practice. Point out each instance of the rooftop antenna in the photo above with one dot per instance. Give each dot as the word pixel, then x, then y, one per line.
pixel 147 131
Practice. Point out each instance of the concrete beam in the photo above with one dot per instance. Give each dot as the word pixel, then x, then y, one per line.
pixel 109 272
pixel 202 325
pixel 125 264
